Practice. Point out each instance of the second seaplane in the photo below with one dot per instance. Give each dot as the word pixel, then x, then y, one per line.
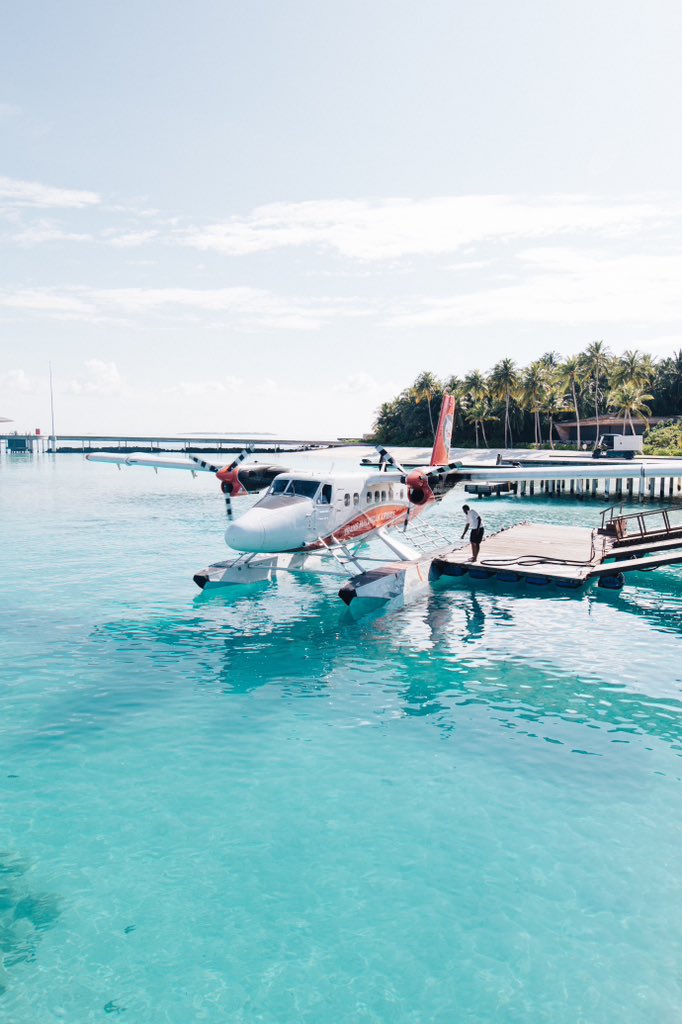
pixel 317 522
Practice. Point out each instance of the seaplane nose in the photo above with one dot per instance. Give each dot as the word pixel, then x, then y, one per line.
pixel 247 534
pixel 266 530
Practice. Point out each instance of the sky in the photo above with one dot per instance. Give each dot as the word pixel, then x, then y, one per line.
pixel 271 215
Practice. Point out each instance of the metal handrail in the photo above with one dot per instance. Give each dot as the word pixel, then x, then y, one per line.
pixel 639 516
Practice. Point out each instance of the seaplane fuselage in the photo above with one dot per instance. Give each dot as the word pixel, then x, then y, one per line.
pixel 310 511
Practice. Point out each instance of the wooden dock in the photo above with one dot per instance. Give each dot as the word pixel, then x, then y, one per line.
pixel 534 552
pixel 571 556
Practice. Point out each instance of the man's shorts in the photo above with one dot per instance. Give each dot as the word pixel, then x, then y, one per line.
pixel 476 536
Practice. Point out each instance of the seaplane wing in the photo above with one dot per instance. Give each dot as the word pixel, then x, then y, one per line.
pixel 235 479
pixel 154 461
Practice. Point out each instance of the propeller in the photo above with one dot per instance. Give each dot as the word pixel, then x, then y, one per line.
pixel 229 480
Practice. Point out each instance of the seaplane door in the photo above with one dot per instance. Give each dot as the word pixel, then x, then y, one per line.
pixel 322 514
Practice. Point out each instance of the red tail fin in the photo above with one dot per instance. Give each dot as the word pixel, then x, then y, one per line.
pixel 440 456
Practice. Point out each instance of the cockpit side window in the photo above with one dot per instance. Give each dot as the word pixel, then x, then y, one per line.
pixel 325 496
pixel 299 488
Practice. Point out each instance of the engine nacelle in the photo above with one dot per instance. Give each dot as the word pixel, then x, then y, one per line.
pixel 247 478
pixel 418 488
pixel 230 482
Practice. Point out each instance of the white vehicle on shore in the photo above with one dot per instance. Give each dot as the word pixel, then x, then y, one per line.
pixel 619 446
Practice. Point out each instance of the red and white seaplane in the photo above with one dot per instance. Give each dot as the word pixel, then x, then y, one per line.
pixel 317 522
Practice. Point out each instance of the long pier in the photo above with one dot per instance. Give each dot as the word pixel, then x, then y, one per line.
pixel 115 443
pixel 631 479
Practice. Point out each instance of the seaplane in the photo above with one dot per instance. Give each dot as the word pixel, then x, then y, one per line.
pixel 319 522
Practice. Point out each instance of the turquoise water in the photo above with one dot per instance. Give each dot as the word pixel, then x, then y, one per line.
pixel 262 810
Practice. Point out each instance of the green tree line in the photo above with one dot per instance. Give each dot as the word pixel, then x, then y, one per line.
pixel 515 405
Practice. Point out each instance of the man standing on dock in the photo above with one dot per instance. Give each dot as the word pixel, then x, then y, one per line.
pixel 474 522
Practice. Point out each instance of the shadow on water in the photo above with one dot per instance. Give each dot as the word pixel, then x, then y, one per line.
pixel 24 915
pixel 532 655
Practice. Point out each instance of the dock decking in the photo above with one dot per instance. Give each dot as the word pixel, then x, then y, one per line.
pixel 572 555
pixel 536 550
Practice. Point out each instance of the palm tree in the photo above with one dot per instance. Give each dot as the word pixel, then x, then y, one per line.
pixel 572 375
pixel 453 385
pixel 486 415
pixel 479 413
pixel 630 399
pixel 596 360
pixel 534 389
pixel 425 387
pixel 668 384
pixel 475 385
pixel 504 384
pixel 633 367
pixel 555 403
pixel 550 360
pixel 471 416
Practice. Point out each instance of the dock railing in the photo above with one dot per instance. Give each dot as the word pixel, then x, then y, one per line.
pixel 635 525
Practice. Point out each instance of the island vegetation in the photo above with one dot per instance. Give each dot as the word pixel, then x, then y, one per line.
pixel 512 405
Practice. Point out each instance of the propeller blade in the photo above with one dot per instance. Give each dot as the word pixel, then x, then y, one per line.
pixel 444 470
pixel 228 506
pixel 387 459
pixel 204 465
pixel 226 469
pixel 240 458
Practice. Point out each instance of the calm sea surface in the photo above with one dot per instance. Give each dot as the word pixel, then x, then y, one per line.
pixel 258 809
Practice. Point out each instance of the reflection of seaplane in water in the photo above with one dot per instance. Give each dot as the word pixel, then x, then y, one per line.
pixel 316 522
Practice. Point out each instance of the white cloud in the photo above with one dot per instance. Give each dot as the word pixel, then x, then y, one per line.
pixel 392 229
pixel 660 344
pixel 564 286
pixel 362 383
pixel 8 111
pixel 16 382
pixel 49 301
pixel 247 308
pixel 132 239
pixel 33 193
pixel 47 231
pixel 100 378
pixel 223 385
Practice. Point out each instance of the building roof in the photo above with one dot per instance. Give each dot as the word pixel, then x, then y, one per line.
pixel 591 421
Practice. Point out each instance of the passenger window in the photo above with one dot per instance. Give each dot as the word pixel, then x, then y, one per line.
pixel 390 493
pixel 368 497
pixel 346 500
pixel 383 495
pixel 376 495
pixel 356 499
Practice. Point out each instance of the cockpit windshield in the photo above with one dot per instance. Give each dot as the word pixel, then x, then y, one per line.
pixel 300 488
